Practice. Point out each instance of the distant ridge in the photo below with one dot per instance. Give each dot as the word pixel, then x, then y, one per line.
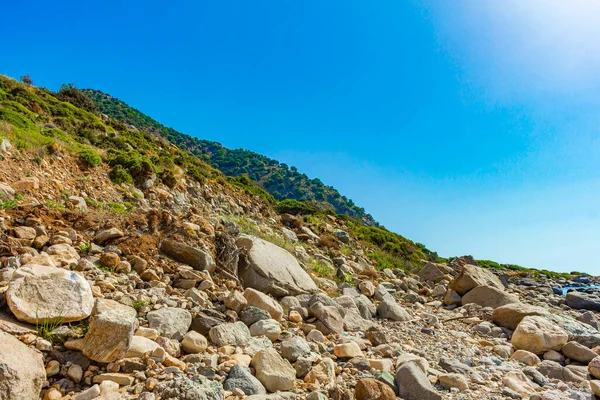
pixel 280 180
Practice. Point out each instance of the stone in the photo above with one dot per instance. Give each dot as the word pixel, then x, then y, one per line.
pixel 510 315
pixel 183 388
pixel 538 335
pixel 170 322
pixel 235 301
pixel 106 235
pixel 419 361
pixel 372 389
pixel 518 381
pixel 121 379
pixel 75 373
pixel 595 385
pixel 452 298
pixel 431 272
pixel 264 302
pixel 554 370
pixel 294 348
pixel 322 373
pixel 384 364
pixel 582 301
pixel 347 350
pixel 578 331
pixel 450 381
pixel 251 314
pixel 472 276
pixel 194 342
pixel 413 384
pixel 525 357
pixel 578 352
pixel 240 378
pixel 390 309
pixel 271 269
pixel 89 394
pixel 235 334
pixel 366 288
pixel 109 260
pixel 267 327
pixel 594 367
pixel 272 371
pixel 139 346
pixel 194 257
pixel 40 293
pixel 455 366
pixel 329 318
pixel 7 193
pixel 110 331
pixel 22 372
pixel 63 255
pixel 489 296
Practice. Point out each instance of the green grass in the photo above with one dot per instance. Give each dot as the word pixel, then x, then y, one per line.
pixel 85 247
pixel 90 157
pixel 139 304
pixel 54 205
pixel 8 204
pixel 119 208
pixel 45 328
pixel 321 269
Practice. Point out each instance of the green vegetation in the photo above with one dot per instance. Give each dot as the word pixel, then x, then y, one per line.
pixel 321 269
pixel 119 208
pixel 8 204
pixel 139 304
pixel 85 247
pixel 278 179
pixel 45 328
pixel 90 157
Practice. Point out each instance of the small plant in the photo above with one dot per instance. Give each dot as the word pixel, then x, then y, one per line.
pixel 8 204
pixel 321 269
pixel 19 197
pixel 90 157
pixel 119 208
pixel 85 247
pixel 120 175
pixel 54 204
pixel 38 160
pixel 139 304
pixel 45 327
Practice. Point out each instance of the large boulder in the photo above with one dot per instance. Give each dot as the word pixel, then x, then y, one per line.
pixel 472 276
pixel 489 296
pixel 578 331
pixel 170 322
pixel 271 269
pixel 192 256
pixel 329 319
pixel 413 383
pixel 272 371
pixel 578 352
pixel 22 372
pixel 39 293
pixel 432 272
pixel 538 335
pixel 111 331
pixel 510 315
pixel 390 309
pixel 582 301
pixel 231 333
pixel 183 388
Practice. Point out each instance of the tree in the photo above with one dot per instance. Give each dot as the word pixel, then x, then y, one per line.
pixel 26 79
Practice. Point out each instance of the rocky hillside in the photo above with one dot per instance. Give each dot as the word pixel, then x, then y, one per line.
pixel 280 180
pixel 129 269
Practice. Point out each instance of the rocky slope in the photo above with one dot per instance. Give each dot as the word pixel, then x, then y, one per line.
pixel 172 287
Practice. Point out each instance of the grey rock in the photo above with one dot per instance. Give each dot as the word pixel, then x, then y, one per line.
pixel 585 301
pixel 183 388
pixel 554 370
pixel 251 314
pixel 294 348
pixel 194 257
pixel 236 334
pixel 241 378
pixel 390 309
pixel 22 372
pixel 170 322
pixel 413 383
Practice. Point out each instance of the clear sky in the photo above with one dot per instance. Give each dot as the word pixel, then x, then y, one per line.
pixel 470 126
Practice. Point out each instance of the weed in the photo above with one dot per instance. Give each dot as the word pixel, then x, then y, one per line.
pixel 85 247
pixel 139 304
pixel 54 204
pixel 46 327
pixel 8 204
pixel 321 269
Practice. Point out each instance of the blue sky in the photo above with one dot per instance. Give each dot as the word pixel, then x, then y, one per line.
pixel 470 126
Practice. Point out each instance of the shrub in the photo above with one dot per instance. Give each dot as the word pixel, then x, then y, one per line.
pixel 70 93
pixel 90 157
pixel 168 178
pixel 292 206
pixel 26 79
pixel 120 175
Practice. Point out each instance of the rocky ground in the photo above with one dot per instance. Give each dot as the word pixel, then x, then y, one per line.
pixel 203 292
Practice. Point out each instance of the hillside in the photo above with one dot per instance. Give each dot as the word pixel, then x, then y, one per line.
pixel 280 180
pixel 132 270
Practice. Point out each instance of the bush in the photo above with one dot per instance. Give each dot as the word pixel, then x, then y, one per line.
pixel 291 206
pixel 168 178
pixel 76 97
pixel 90 157
pixel 120 175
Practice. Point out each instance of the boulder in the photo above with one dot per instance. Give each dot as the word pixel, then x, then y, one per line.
pixel 170 322
pixel 322 373
pixel 272 371
pixel 372 389
pixel 431 272
pixel 240 378
pixel 449 381
pixel 271 269
pixel 510 315
pixel 578 331
pixel 472 276
pixel 194 342
pixel 107 234
pixel 294 348
pixel 390 309
pixel 525 357
pixel 413 383
pixel 578 352
pixel 347 350
pixel 111 331
pixel 140 345
pixel 489 296
pixel 329 318
pixel 266 327
pixel 232 333
pixel 192 256
pixel 518 382
pixel 255 298
pixel 582 301
pixel 594 367
pixel 22 372
pixel 554 370
pixel 538 335
pixel 40 293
